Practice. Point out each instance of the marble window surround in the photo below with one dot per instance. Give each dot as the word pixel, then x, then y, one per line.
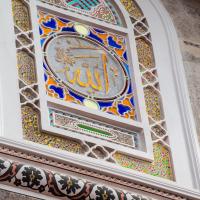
pixel 186 17
pixel 191 65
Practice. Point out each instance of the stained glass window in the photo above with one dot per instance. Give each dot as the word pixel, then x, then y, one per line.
pixel 87 66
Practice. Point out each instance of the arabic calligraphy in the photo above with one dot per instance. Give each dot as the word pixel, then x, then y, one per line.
pixel 85 66
pixel 61 56
pixel 76 78
pixel 104 59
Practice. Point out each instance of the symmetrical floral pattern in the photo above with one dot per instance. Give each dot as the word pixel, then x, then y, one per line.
pixel 59 185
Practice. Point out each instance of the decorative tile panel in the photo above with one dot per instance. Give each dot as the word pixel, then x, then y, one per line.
pixel 96 129
pixel 153 106
pixel 26 67
pixel 161 166
pixel 103 10
pixel 133 9
pixel 57 185
pixel 21 15
pixel 30 122
pixel 145 53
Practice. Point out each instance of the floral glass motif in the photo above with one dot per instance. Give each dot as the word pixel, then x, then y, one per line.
pixel 86 65
pixel 100 9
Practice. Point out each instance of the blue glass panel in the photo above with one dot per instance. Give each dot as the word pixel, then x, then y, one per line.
pixel 132 101
pixel 99 31
pixel 76 96
pixel 126 68
pixel 50 24
pixel 130 89
pixel 95 37
pixel 42 41
pixel 45 77
pixel 40 30
pixel 125 56
pixel 105 104
pixel 44 65
pixel 122 109
pixel 58 91
pixel 68 29
pixel 63 20
pixel 112 43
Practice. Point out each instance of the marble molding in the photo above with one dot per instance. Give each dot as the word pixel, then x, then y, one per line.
pixel 58 185
pixel 186 18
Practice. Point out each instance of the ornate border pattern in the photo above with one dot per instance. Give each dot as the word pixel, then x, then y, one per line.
pixel 59 185
pixel 43 160
pixel 72 122
pixel 102 10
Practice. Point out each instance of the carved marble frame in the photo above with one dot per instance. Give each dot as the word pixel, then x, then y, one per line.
pixel 189 139
pixel 141 126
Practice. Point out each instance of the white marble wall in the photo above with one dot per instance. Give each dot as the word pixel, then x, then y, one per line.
pixel 186 17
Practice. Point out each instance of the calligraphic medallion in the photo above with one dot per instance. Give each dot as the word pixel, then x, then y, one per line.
pixel 86 66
